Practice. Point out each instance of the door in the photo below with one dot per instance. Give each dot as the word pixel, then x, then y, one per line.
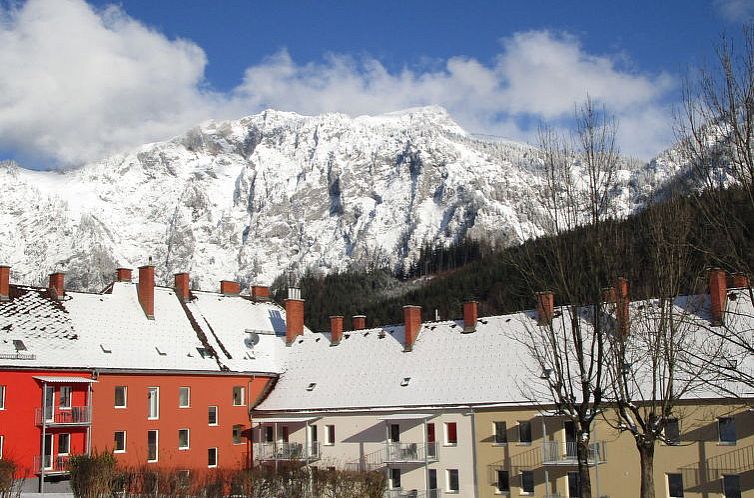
pixel 573 485
pixel 432 482
pixel 284 434
pixel 49 403
pixel 395 433
pixel 47 452
pixel 569 428
pixel 431 446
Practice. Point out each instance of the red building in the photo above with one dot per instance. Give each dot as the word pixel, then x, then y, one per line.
pixel 160 376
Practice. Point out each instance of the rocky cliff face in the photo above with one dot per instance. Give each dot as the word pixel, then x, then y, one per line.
pixel 250 198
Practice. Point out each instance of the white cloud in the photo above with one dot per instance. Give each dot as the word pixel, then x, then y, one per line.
pixel 736 11
pixel 80 83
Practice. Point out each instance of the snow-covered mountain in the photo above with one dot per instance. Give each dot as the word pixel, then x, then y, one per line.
pixel 248 199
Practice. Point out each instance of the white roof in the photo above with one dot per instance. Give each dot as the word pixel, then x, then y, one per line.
pixel 407 416
pixel 64 380
pixel 283 420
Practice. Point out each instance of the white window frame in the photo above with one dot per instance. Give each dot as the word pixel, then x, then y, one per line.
pixel 217 457
pixel 125 439
pixel 156 446
pixel 125 397
pixel 2 443
pixel 217 415
pixel 242 390
pixel 329 438
pixel 446 435
pixel 2 396
pixel 521 484
pixel 188 439
pixel 391 480
pixel 188 397
pixel 68 436
pixel 156 391
pixel 531 434
pixel 499 491
pixel 448 489
pixel 240 433
pixel 65 393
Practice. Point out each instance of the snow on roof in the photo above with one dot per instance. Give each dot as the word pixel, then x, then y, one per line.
pixel 111 331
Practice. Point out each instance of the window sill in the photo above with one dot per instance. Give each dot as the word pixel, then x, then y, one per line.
pixel 119 451
pixel 213 425
pixel 120 407
pixel 152 461
pixel 499 444
pixel 153 418
pixel 726 443
pixel 328 444
pixel 449 445
pixel 211 466
pixel 452 492
pixel 185 406
pixel 64 408
pixel 524 444
pixel 183 449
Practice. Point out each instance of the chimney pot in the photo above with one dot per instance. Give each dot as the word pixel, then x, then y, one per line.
pixel 260 292
pixel 294 319
pixel 358 322
pixel 740 281
pixel 229 287
pixel 718 291
pixel 4 283
pixel 545 307
pixel 182 286
pixel 145 290
pixel 470 315
pixel 123 274
pixel 57 285
pixel 336 330
pixel 412 321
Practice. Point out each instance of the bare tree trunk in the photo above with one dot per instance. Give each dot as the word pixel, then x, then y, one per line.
pixel 647 457
pixel 585 481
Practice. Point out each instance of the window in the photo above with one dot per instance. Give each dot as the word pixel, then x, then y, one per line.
pixel 153 397
pixel 237 432
pixel 65 397
pixel 212 457
pixel 2 397
pixel 64 444
pixel 120 396
pixel 732 486
pixel 527 482
pixel 451 434
pixel 212 418
pixel 503 482
pixel 329 435
pixel 152 438
pixel 501 433
pixel 238 396
pixel 726 427
pixel 120 442
pixel 184 397
pixel 432 484
pixel 453 486
pixel 269 435
pixel 395 478
pixel 395 433
pixel 672 432
pixel 574 487
pixel 524 432
pixel 675 485
pixel 284 434
pixel 183 439
pixel 2 441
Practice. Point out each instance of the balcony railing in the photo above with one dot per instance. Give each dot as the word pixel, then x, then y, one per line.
pixel 413 493
pixel 558 453
pixel 76 415
pixel 410 452
pixel 57 464
pixel 287 451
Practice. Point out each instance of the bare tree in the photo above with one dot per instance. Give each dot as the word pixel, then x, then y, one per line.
pixel 567 349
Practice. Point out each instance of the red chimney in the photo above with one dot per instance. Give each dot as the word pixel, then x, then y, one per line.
pixel 4 283
pixel 470 314
pixel 229 287
pixel 260 292
pixel 622 303
pixel 740 281
pixel 123 274
pixel 718 292
pixel 145 290
pixel 294 319
pixel 336 330
pixel 57 285
pixel 545 307
pixel 358 322
pixel 412 320
pixel 182 286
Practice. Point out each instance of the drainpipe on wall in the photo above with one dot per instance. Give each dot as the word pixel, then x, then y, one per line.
pixel 544 442
pixel 426 459
pixel 475 482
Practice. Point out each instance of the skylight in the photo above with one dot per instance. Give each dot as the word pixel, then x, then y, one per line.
pixel 311 386
pixel 104 349
pixel 160 352
pixel 203 352
pixel 405 381
pixel 19 345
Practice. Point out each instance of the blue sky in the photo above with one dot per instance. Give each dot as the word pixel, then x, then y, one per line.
pixel 90 79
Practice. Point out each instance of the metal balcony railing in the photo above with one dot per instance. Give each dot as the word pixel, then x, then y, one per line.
pixel 410 452
pixel 287 451
pixel 57 464
pixel 413 493
pixel 559 453
pixel 76 415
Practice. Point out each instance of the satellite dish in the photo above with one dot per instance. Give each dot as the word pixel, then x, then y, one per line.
pixel 252 339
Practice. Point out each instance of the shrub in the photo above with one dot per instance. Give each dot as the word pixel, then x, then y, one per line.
pixel 92 475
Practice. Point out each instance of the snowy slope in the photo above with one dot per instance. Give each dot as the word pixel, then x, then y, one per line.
pixel 247 199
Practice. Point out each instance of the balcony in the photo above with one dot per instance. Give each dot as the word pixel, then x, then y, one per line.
pixel 558 453
pixel 413 493
pixel 51 464
pixel 76 415
pixel 410 453
pixel 287 451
